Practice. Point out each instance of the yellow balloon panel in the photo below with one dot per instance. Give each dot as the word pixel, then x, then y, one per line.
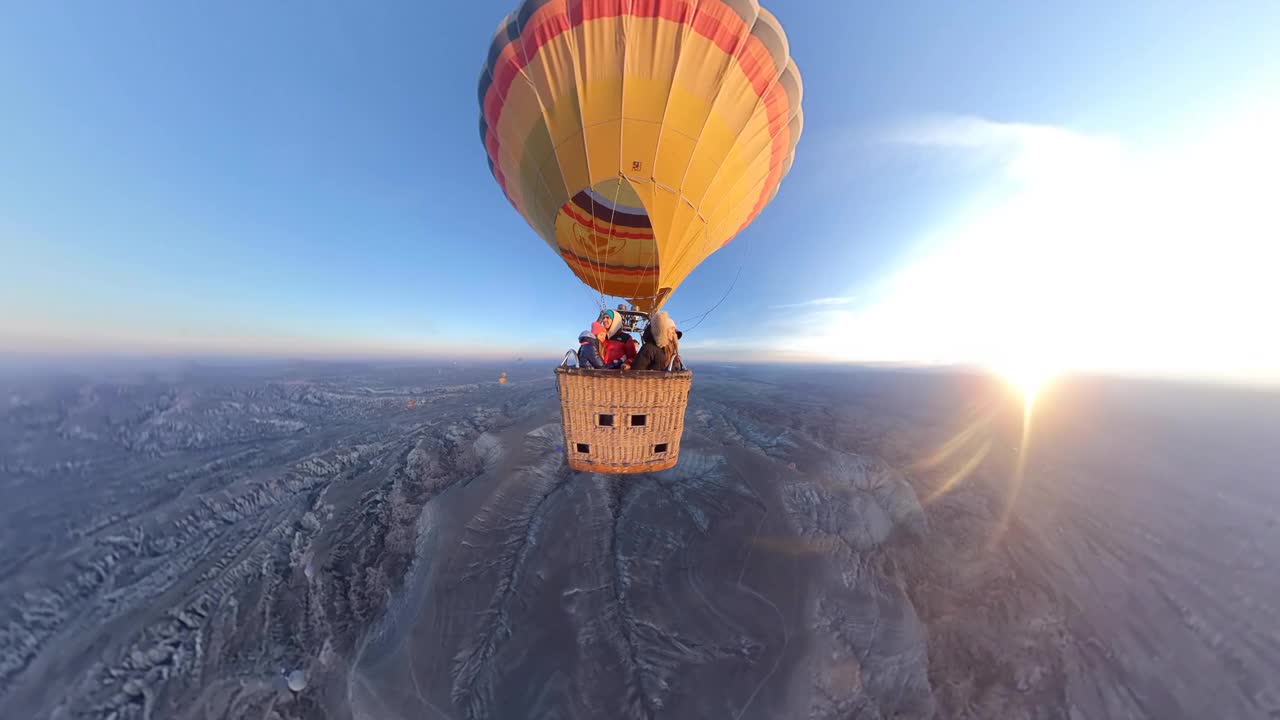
pixel 604 140
pixel 637 137
pixel 674 151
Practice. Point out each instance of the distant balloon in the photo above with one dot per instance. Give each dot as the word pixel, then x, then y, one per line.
pixel 410 404
pixel 502 380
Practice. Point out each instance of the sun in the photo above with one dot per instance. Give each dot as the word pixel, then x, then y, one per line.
pixel 1027 377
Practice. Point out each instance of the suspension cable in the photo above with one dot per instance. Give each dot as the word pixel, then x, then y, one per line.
pixel 741 262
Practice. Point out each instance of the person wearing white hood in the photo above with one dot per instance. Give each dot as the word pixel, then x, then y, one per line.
pixel 661 344
pixel 591 349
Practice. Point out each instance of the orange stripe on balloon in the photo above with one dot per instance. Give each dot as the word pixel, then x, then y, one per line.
pixel 599 267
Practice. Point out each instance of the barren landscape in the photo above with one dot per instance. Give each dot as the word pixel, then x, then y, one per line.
pixel 376 541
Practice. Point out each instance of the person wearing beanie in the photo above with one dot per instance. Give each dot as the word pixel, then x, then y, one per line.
pixel 591 349
pixel 611 321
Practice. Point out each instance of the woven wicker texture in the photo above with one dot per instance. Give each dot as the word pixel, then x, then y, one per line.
pixel 656 399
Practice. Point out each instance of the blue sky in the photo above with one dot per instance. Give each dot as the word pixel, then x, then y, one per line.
pixel 306 178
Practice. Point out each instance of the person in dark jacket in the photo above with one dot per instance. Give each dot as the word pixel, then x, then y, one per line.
pixel 591 349
pixel 651 356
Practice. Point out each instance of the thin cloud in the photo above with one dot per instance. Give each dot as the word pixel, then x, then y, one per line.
pixel 818 302
pixel 943 130
pixel 1024 151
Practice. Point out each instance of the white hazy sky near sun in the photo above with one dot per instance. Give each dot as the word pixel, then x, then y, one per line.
pixel 1097 255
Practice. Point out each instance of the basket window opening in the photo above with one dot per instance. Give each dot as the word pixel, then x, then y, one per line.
pixel 584 448
pixel 659 448
pixel 605 420
pixel 639 420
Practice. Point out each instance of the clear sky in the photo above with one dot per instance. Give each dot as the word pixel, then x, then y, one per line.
pixel 1076 185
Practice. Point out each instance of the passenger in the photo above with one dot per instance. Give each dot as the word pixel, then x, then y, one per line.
pixel 611 321
pixel 591 349
pixel 650 355
pixel 656 355
pixel 621 345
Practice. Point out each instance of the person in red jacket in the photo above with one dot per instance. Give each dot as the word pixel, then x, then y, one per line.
pixel 623 346
pixel 591 350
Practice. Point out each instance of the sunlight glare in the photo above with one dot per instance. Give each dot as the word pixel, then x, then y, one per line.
pixel 1099 256
pixel 1028 378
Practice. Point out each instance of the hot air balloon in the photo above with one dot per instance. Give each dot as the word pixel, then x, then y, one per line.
pixel 636 138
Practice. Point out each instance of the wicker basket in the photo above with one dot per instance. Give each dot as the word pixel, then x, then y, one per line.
pixel 619 421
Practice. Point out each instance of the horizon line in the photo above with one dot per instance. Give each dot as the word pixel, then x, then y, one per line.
pixel 31 359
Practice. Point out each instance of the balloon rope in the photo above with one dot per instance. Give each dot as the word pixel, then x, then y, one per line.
pixel 736 182
pixel 626 34
pixel 653 256
pixel 613 215
pixel 685 32
pixel 745 251
pixel 542 107
pixel 578 81
pixel 736 56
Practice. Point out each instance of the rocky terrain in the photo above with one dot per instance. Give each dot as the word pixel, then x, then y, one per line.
pixel 355 541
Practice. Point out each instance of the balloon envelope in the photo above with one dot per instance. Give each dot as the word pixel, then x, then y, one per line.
pixel 637 137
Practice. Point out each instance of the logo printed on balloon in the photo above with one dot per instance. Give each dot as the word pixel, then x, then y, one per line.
pixel 597 245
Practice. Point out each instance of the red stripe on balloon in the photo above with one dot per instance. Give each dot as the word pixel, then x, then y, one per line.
pixel 589 222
